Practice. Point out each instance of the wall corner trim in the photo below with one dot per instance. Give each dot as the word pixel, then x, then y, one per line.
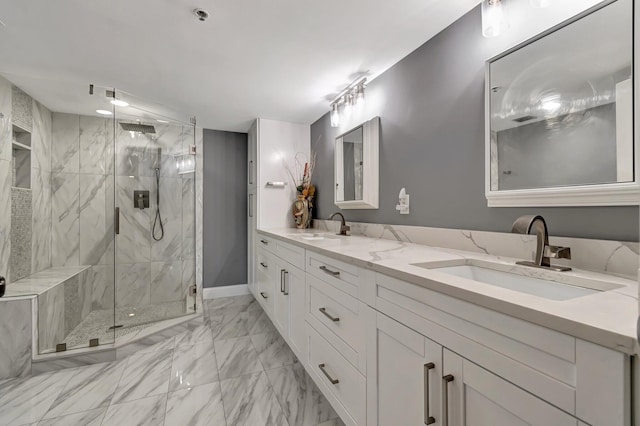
pixel 225 291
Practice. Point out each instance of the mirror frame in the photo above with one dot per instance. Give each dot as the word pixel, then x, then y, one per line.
pixel 370 172
pixel 608 194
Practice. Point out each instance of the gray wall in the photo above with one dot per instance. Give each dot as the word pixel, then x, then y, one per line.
pixel 225 208
pixel 432 143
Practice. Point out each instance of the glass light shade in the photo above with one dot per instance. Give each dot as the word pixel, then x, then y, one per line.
pixel 348 106
pixel 494 18
pixel 335 116
pixel 360 94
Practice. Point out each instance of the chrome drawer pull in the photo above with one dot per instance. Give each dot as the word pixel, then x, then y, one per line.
pixel 285 288
pixel 324 312
pixel 428 419
pixel 446 379
pixel 264 265
pixel 263 295
pixel 331 379
pixel 265 242
pixel 329 271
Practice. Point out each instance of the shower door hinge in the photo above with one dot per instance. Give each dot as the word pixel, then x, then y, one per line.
pixel 192 120
pixel 94 342
pixel 61 347
pixel 192 149
pixel 111 94
pixel 193 290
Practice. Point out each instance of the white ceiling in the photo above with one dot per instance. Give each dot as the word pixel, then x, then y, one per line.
pixel 277 59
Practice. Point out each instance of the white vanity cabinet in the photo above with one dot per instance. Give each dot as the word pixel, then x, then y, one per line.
pixel 415 381
pixel 388 352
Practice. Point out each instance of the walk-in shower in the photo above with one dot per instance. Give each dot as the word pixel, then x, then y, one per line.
pixel 99 258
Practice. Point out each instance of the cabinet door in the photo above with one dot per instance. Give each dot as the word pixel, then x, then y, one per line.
pixel 295 285
pixel 407 370
pixel 281 298
pixel 473 396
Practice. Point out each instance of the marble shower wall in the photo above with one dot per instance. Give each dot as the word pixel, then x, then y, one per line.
pixel 149 271
pixel 82 200
pixel 33 116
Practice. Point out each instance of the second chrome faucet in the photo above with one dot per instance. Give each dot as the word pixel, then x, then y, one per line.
pixel 544 251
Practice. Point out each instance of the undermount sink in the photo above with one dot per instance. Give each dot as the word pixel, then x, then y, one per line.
pixel 547 284
pixel 315 236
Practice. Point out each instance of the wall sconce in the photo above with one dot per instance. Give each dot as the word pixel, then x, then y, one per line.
pixel 352 95
pixel 494 18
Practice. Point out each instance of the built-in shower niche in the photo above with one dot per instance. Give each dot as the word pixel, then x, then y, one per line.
pixel 21 158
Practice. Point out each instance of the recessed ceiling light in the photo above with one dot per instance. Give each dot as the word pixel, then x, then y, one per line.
pixel 162 121
pixel 104 112
pixel 118 102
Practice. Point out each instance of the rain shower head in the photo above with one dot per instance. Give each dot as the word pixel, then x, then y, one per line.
pixel 138 128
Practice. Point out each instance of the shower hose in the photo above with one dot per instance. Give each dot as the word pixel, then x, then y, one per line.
pixel 158 220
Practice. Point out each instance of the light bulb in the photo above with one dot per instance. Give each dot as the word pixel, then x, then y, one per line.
pixel 335 115
pixel 494 18
pixel 539 4
pixel 177 165
pixel 348 106
pixel 360 94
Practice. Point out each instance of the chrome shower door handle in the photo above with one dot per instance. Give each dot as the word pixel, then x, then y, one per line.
pixel 116 219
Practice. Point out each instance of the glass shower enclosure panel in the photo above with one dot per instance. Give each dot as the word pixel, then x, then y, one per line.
pixel 155 244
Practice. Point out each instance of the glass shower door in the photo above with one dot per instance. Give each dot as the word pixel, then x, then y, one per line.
pixel 155 249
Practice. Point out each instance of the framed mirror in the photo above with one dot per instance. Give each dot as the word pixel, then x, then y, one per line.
pixel 356 166
pixel 559 115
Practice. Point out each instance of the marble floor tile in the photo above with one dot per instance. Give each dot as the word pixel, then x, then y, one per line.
pixel 249 400
pixel 141 412
pixel 333 422
pixel 302 402
pixel 260 323
pixel 84 418
pixel 192 366
pixel 90 388
pixel 236 357
pixel 145 375
pixel 197 332
pixel 229 324
pixel 272 350
pixel 196 406
pixel 27 400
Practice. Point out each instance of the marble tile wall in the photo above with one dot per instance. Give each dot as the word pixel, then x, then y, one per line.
pixel 20 260
pixel 15 332
pixel 41 188
pixel 21 107
pixel 615 257
pixel 5 175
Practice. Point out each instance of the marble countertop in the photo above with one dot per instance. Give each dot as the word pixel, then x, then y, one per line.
pixel 606 317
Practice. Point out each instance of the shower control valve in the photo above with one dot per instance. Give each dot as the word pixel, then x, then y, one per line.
pixel 141 200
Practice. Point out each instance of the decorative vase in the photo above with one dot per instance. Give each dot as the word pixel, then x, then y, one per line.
pixel 301 210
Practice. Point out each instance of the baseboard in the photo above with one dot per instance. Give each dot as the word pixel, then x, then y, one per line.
pixel 225 291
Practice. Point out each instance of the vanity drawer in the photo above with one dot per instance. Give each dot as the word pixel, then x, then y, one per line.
pixel 264 261
pixel 338 318
pixel 340 381
pixel 266 291
pixel 291 253
pixel 266 243
pixel 334 272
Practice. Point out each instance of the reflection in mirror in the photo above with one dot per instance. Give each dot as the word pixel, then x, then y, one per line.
pixel 353 163
pixel 561 106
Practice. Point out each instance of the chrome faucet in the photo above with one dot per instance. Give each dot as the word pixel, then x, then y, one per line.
pixel 344 228
pixel 544 251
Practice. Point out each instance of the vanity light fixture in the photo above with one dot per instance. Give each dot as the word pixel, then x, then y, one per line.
pixel 494 18
pixel 352 95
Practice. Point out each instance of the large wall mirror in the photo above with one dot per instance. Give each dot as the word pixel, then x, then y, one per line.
pixel 356 167
pixel 559 115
